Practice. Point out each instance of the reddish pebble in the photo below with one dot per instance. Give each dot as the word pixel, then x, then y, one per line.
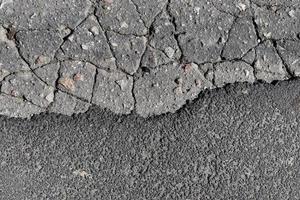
pixel 178 90
pixel 198 83
pixel 187 67
pixel 67 83
pixel 78 77
pixel 14 93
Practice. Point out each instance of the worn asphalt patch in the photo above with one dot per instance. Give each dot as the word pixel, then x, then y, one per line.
pixel 138 56
pixel 239 142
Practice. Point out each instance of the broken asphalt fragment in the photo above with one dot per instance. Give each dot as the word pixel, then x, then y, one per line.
pixel 18 107
pixel 121 17
pixel 242 38
pixel 67 105
pixel 162 47
pixel 167 88
pixel 291 55
pixel 268 65
pixel 127 50
pixel 43 14
pixel 48 73
pixel 202 40
pixel 231 72
pixel 77 78
pixel 113 90
pixel 278 22
pixel 233 7
pixel 10 60
pixel 88 43
pixel 38 47
pixel 27 86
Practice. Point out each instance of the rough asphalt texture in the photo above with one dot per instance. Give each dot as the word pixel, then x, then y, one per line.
pixel 141 56
pixel 241 142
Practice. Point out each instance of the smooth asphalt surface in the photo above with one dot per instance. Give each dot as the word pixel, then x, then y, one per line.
pixel 239 142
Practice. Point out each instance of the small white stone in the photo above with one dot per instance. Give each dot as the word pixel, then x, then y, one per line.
pixel 122 83
pixel 71 38
pixel 3 73
pixel 258 65
pixel 66 30
pixel 242 6
pixel 3 38
pixel 268 35
pixel 84 47
pixel 170 52
pixel 295 62
pixel 50 97
pixel 197 10
pixel 247 73
pixel 81 173
pixel 291 13
pixel 124 25
pixel 95 30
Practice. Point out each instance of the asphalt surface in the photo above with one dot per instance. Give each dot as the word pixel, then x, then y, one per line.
pixel 239 142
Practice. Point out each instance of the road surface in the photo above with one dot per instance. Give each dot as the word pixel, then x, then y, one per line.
pixel 239 142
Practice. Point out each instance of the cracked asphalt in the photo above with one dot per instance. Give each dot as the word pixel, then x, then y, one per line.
pixel 138 99
pixel 238 142
pixel 138 56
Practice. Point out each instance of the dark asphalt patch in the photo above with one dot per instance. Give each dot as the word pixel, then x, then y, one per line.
pixel 240 142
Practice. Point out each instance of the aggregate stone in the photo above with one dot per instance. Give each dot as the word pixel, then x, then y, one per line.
pixel 48 73
pixel 67 105
pixel 17 107
pixel 231 72
pixel 278 22
pixel 163 47
pixel 291 55
pixel 27 86
pixel 77 78
pixel 167 88
pixel 268 65
pixel 43 14
pixel 241 39
pixel 202 40
pixel 88 43
pixel 113 90
pixel 38 47
pixel 128 50
pixel 121 16
pixel 10 60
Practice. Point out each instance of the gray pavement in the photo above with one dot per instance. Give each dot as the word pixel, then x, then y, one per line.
pixel 139 56
pixel 238 142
